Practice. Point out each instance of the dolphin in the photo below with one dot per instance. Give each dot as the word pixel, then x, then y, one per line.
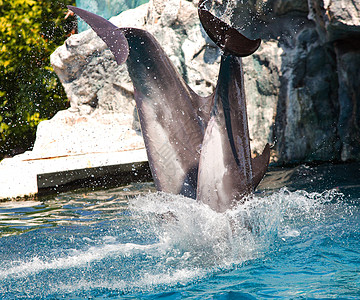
pixel 197 146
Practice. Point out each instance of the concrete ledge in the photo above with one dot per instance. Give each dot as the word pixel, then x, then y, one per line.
pixel 24 175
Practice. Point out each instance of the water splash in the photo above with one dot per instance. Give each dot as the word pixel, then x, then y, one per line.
pixel 160 242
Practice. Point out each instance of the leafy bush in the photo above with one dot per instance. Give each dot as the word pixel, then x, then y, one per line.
pixel 29 89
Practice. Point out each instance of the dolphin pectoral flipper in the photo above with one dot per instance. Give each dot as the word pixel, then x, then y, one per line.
pixel 173 118
pixel 260 165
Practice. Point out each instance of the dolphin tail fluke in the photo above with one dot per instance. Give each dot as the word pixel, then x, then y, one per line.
pixel 108 32
pixel 224 36
pixel 260 165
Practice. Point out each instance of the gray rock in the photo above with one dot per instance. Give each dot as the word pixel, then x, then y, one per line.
pixel 308 116
pixel 321 116
pixel 262 84
pixel 317 116
pixel 336 19
pixel 348 62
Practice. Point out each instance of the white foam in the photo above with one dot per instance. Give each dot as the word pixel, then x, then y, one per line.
pixel 76 260
pixel 189 241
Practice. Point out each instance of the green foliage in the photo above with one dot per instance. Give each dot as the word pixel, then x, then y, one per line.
pixel 29 89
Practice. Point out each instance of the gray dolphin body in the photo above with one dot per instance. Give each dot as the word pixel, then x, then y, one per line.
pixel 197 146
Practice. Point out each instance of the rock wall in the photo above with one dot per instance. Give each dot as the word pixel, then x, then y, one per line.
pixel 318 113
pixel 302 85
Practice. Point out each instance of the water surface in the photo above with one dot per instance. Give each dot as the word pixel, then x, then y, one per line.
pixel 298 238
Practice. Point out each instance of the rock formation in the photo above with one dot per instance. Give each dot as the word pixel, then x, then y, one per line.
pixel 302 85
pixel 318 113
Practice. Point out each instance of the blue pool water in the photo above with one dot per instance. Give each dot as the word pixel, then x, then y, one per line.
pixel 298 238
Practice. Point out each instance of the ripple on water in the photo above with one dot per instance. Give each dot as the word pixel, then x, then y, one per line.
pixel 283 243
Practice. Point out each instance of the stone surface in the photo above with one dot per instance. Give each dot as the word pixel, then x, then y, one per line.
pixel 25 174
pixel 348 62
pixel 317 114
pixel 336 20
pixel 321 115
pixel 69 134
pixel 72 147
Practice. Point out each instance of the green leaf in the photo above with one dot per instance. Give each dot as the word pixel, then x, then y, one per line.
pixel 29 89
